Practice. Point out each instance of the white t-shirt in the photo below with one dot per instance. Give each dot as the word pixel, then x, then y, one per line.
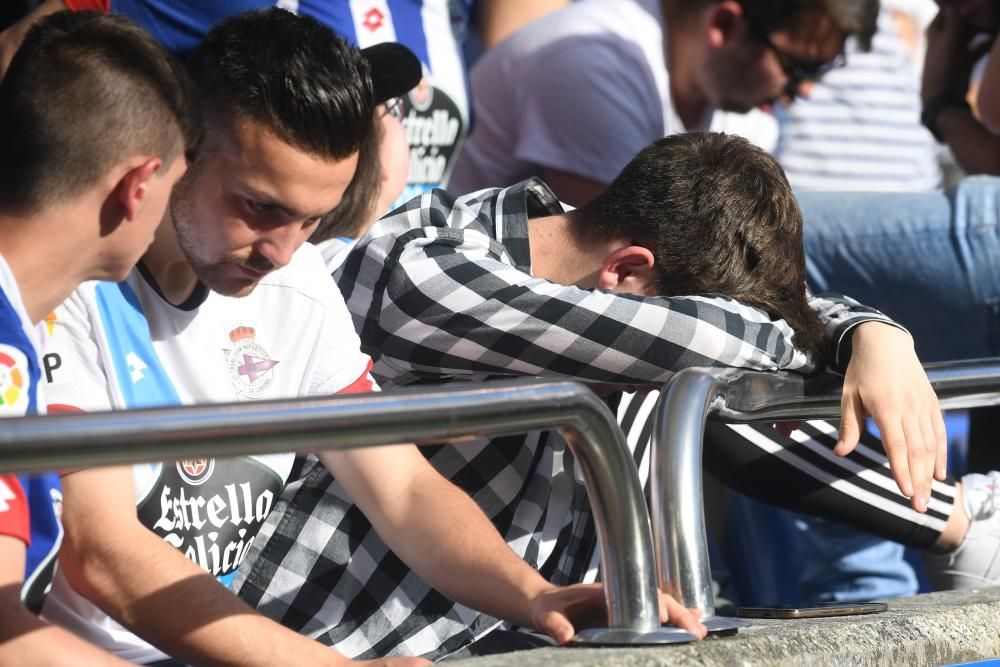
pixel 581 90
pixel 121 345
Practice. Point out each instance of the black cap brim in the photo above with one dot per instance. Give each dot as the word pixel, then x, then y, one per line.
pixel 395 70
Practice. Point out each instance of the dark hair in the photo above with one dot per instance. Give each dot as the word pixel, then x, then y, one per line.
pixel 719 217
pixel 357 207
pixel 84 91
pixel 290 74
pixel 853 17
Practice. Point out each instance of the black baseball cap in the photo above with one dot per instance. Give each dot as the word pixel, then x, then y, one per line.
pixel 395 70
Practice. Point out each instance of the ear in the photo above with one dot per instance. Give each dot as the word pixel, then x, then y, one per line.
pixel 724 22
pixel 134 185
pixel 628 269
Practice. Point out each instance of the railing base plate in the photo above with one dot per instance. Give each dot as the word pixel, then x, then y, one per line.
pixel 622 637
pixel 724 625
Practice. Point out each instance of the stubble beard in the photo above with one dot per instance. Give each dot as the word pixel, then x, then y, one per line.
pixel 211 274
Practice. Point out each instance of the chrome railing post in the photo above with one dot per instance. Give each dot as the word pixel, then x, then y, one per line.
pixel 691 396
pixel 422 415
pixel 677 512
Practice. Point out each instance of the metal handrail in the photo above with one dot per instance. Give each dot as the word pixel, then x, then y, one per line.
pixel 733 395
pixel 422 415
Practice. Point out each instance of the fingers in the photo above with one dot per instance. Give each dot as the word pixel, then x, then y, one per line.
pixel 673 612
pixel 920 459
pixel 557 626
pixel 559 612
pixel 852 414
pixel 894 442
pixel 941 438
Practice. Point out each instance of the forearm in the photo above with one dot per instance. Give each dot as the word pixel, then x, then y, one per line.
pixel 28 641
pixel 460 552
pixel 152 589
pixel 514 324
pixel 976 149
pixel 437 530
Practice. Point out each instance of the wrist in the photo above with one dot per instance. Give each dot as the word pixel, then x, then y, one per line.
pixel 933 108
pixel 878 329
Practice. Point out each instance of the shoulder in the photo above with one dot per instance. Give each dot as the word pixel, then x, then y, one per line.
pixel 588 30
pixel 431 215
pixel 19 371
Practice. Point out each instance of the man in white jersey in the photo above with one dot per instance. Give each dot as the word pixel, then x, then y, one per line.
pixel 574 96
pixel 229 305
pixel 95 117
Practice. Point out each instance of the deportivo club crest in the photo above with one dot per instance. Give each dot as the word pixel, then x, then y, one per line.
pixel 195 471
pixel 250 367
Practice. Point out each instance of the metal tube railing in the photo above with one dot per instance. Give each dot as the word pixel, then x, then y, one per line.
pixel 733 395
pixel 421 415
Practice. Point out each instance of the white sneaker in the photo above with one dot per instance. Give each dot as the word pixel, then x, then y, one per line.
pixel 976 561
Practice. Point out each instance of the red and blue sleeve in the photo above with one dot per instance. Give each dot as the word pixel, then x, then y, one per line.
pixel 14 517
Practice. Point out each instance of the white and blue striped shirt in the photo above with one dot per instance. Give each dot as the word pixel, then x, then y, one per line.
pixel 859 129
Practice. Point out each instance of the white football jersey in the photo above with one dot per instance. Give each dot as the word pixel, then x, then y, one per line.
pixel 121 345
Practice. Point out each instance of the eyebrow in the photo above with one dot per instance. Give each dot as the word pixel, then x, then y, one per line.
pixel 267 199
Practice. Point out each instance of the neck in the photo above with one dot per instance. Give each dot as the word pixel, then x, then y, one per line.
pixel 166 262
pixel 42 288
pixel 560 256
pixel 684 56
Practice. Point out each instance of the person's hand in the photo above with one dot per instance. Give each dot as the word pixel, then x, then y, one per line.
pixel 885 380
pixel 561 611
pixel 951 54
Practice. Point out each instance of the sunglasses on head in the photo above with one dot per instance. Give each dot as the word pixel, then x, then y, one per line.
pixel 797 70
pixel 394 107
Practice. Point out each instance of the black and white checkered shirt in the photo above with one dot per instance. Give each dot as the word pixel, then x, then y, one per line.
pixel 441 290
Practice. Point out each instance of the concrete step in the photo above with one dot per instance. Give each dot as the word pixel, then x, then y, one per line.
pixel 933 629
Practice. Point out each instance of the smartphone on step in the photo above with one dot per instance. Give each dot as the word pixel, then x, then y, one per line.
pixel 817 611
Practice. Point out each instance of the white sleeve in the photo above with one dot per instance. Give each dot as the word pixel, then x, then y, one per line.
pixel 338 365
pixel 588 106
pixel 76 377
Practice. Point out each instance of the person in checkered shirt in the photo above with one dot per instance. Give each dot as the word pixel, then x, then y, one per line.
pixel 503 282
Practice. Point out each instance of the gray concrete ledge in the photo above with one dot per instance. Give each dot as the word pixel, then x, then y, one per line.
pixel 934 629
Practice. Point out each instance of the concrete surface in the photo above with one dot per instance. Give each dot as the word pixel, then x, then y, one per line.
pixel 934 629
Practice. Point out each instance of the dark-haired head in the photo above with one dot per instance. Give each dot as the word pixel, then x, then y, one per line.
pixel 289 116
pixel 744 53
pixel 719 217
pixel 855 18
pixel 84 92
pixel 289 74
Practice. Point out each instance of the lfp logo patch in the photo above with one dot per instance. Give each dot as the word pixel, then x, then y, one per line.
pixel 13 380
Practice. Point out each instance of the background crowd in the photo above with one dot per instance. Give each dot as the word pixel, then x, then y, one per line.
pixel 885 119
